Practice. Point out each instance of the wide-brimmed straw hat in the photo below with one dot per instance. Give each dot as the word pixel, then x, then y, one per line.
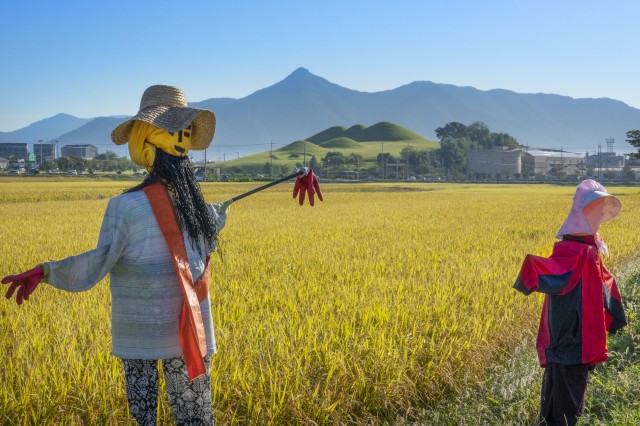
pixel 166 107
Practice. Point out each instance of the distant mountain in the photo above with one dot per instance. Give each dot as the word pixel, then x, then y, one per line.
pixel 96 132
pixel 47 129
pixel 304 104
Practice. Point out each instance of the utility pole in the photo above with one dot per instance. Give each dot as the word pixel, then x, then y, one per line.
pixel 384 166
pixel 204 171
pixel 40 164
pixel 599 161
pixel 305 155
pixel 406 169
pixel 271 159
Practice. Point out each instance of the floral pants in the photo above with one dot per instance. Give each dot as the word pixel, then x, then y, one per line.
pixel 190 401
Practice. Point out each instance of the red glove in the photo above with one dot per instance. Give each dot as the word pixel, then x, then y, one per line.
pixel 25 282
pixel 307 183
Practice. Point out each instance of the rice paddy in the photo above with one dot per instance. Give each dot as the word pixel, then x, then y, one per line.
pixel 376 302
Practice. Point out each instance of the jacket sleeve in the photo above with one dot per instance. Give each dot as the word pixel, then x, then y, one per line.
pixel 615 317
pixel 82 272
pixel 219 213
pixel 546 275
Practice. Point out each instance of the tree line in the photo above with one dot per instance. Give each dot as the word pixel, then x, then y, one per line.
pixel 106 162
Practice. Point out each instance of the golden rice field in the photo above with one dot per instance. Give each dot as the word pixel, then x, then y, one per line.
pixel 371 305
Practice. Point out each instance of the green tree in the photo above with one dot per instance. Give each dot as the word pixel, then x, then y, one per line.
pixel 452 130
pixel 357 160
pixel 333 163
pixel 428 161
pixel 479 132
pixel 503 139
pixel 628 174
pixel 383 161
pixel 456 139
pixel 334 159
pixel 313 162
pixel 634 139
pixel 453 154
pixel 409 156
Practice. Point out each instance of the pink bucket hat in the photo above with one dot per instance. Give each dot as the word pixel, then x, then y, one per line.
pixel 587 192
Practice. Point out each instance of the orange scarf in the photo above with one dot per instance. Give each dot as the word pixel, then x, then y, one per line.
pixel 192 336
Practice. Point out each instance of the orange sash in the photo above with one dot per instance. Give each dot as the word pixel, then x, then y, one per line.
pixel 192 336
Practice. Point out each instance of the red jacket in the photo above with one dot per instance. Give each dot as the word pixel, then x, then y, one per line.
pixel 582 302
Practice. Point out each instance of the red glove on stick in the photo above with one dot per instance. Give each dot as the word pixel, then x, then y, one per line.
pixel 307 183
pixel 25 282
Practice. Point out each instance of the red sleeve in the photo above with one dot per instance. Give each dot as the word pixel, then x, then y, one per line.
pixel 556 274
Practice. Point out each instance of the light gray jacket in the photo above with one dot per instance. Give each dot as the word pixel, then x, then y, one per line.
pixel 146 294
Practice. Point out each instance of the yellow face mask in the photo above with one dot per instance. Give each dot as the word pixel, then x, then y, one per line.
pixel 145 138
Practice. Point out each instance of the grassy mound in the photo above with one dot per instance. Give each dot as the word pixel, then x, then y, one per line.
pixel 341 142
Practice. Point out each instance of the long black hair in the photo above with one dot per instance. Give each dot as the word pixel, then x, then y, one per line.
pixel 177 174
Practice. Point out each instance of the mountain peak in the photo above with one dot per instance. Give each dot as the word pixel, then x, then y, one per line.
pixel 299 81
pixel 300 72
pixel 302 75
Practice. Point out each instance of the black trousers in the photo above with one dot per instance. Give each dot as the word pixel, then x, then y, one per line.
pixel 563 393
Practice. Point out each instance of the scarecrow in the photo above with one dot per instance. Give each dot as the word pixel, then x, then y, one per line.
pixel 155 242
pixel 582 303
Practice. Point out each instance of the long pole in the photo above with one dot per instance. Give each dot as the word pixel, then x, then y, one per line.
pixel 268 185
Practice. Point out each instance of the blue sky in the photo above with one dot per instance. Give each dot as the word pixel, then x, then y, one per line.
pixel 95 58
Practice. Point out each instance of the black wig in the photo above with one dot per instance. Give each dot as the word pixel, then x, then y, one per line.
pixel 177 174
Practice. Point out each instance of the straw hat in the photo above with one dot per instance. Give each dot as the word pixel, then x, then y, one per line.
pixel 166 107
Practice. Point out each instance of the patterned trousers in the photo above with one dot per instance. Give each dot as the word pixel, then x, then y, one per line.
pixel 190 401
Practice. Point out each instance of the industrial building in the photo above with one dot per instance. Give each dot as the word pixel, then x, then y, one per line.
pixel 508 163
pixel 553 164
pixel 44 152
pixel 87 152
pixel 14 151
pixel 496 163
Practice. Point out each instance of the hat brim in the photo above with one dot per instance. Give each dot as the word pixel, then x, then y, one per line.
pixel 172 119
pixel 611 207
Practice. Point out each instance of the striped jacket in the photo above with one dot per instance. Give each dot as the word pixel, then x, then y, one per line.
pixel 146 296
pixel 582 302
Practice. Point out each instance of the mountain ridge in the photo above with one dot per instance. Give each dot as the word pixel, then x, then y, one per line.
pixel 303 103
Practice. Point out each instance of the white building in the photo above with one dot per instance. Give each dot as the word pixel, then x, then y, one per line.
pixel 498 162
pixel 88 152
pixel 553 164
pixel 605 160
